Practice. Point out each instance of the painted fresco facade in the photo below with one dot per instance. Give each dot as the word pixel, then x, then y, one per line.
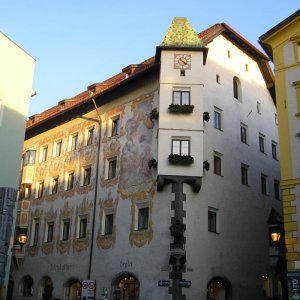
pixel 142 224
pixel 282 43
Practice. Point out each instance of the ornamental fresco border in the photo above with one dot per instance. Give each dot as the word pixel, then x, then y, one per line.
pixel 107 241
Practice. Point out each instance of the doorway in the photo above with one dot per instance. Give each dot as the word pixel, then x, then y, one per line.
pixel 126 287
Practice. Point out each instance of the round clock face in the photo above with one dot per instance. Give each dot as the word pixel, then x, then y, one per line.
pixel 182 61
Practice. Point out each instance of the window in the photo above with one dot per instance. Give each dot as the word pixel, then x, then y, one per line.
pixel 244 174
pixel 29 158
pixel 44 153
pixel 274 150
pixel 258 107
pixel 70 180
pixel 49 232
pixel 73 141
pixel 276 119
pixel 27 287
pixel 112 168
pixel 212 220
pixel 261 139
pixel 228 53
pixel 109 223
pixel 217 118
pixel 25 191
pixel 218 78
pixel 143 218
pixel 264 184
pixel 90 135
pixel 35 232
pixel 54 185
pixel 40 189
pixel 82 228
pixel 217 163
pixel 65 230
pixel 180 147
pixel 237 88
pixel 244 133
pixel 57 148
pixel 276 189
pixel 115 126
pixel 246 67
pixel 181 97
pixel 87 172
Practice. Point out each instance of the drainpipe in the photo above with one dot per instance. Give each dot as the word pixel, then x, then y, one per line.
pixel 96 190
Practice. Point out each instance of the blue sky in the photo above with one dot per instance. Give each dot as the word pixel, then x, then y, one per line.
pixel 77 43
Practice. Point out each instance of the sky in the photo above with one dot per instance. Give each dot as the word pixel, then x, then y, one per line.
pixel 78 43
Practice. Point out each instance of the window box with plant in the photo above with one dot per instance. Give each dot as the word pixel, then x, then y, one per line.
pixel 184 160
pixel 181 109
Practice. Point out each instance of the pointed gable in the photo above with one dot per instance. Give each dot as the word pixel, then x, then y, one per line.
pixel 181 34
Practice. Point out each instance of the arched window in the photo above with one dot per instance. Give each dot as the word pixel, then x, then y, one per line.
pixel 237 91
pixel 72 289
pixel 26 287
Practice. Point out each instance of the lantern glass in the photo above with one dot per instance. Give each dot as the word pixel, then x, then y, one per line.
pixel 275 236
pixel 22 238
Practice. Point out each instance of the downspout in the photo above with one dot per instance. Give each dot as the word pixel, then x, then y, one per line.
pixel 96 190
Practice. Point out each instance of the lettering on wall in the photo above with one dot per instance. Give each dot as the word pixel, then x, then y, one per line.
pixel 126 264
pixel 61 268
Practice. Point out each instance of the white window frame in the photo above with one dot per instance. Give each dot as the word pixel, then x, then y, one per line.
pixel 62 230
pixel 218 119
pixel 262 143
pixel 215 212
pixel 79 222
pixel 274 150
pixel 67 187
pixel 264 181
pixel 89 135
pixel 44 151
pixel 138 207
pixel 40 189
pixel 49 225
pixel 111 162
pixel 115 130
pixel 54 180
pixel 244 133
pixel 84 173
pixel 219 157
pixel 181 92
pixel 180 139
pixel 245 167
pixel 73 146
pixel 57 150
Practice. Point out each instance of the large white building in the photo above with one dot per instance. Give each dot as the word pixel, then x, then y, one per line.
pixel 158 183
pixel 16 76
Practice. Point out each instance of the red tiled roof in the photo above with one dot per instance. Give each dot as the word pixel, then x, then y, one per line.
pixel 131 71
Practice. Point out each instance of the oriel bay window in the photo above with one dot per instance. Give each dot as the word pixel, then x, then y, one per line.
pixel 29 157
pixel 181 146
pixel 181 97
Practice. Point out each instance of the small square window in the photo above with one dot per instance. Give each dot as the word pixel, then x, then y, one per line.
pixel 212 220
pixel 73 141
pixel 49 232
pixel 182 72
pixel 70 180
pixel 82 228
pixel 40 189
pixel 244 174
pixel 217 118
pixel 264 184
pixel 54 185
pixel 276 189
pixel 261 143
pixel 57 148
pixel 143 218
pixel 112 168
pixel 244 133
pixel 65 230
pixel 217 164
pixel 274 150
pixel 90 135
pixel 109 223
pixel 115 126
pixel 181 97
pixel 87 172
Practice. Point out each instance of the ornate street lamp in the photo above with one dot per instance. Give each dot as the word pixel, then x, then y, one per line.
pixel 22 239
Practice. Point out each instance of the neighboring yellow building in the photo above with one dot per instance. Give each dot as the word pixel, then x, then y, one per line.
pixel 282 43
pixel 16 75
